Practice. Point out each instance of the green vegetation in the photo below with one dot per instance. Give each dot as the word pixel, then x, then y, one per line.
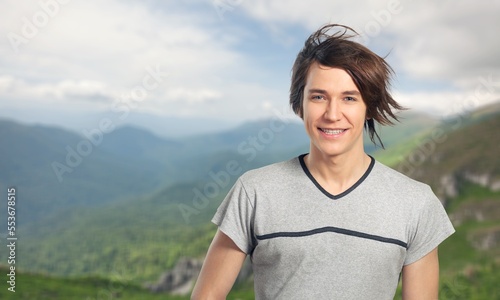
pixel 396 154
pixel 465 272
pixel 141 252
pixel 459 252
pixel 476 282
pixel 472 193
pixel 41 287
pixel 31 286
pixel 471 148
pixel 138 241
pixel 112 226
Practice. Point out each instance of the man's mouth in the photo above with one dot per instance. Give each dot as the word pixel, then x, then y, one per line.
pixel 332 131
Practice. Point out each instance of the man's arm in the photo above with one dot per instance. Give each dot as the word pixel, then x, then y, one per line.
pixel 220 269
pixel 421 278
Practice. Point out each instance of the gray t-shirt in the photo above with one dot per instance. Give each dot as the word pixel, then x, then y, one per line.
pixel 305 243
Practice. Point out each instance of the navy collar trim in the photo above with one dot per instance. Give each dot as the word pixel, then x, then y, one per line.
pixel 344 193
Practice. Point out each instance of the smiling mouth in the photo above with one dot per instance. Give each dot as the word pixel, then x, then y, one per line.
pixel 332 131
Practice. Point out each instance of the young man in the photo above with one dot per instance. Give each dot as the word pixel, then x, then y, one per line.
pixel 333 223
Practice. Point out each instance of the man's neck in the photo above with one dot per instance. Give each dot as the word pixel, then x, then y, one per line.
pixel 337 173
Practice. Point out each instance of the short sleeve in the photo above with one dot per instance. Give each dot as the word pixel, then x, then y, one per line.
pixel 235 217
pixel 431 226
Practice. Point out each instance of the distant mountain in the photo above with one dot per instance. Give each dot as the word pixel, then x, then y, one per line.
pixel 410 125
pixel 137 143
pixel 167 126
pixel 55 169
pixel 485 111
pixel 268 135
pixel 135 200
pixel 461 150
pixel 110 216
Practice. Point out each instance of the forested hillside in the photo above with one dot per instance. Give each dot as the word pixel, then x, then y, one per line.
pixel 138 203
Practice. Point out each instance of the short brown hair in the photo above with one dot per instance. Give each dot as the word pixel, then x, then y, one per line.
pixel 370 73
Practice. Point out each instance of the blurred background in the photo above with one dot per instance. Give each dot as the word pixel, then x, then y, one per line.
pixel 123 124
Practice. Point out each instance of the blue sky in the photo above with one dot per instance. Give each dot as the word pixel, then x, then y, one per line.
pixel 228 61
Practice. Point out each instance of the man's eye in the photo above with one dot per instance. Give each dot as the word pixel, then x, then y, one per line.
pixel 317 97
pixel 350 99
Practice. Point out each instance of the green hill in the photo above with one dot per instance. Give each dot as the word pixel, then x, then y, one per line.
pixel 421 144
pixel 29 154
pixel 143 235
pixel 459 159
pixel 410 125
pixel 30 286
pixel 57 170
pixel 140 235
pixel 447 160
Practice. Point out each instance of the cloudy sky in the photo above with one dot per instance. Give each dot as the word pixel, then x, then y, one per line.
pixel 62 62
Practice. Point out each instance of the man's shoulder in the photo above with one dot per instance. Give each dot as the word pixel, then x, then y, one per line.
pixel 393 184
pixel 272 171
pixel 397 178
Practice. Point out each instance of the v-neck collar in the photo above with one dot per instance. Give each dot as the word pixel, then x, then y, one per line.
pixel 344 193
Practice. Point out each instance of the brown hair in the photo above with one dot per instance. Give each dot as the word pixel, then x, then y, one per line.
pixel 370 73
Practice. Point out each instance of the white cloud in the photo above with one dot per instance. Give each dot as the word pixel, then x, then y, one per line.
pixel 111 42
pixel 93 52
pixel 49 93
pixel 455 41
pixel 192 96
pixel 445 104
pixel 6 83
pixel 311 14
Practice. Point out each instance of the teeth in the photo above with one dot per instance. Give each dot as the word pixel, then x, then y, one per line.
pixel 334 131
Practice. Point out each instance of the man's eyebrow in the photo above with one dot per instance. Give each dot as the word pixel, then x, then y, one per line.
pixel 353 92
pixel 321 91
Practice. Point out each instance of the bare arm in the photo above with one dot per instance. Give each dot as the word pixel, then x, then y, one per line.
pixel 220 269
pixel 421 278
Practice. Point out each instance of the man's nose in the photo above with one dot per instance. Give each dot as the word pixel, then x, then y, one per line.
pixel 333 110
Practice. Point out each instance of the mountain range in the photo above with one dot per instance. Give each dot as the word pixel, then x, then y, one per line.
pixel 134 202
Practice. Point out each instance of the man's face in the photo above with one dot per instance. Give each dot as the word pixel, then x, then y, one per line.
pixel 334 112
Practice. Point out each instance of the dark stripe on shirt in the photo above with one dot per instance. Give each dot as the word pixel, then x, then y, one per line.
pixel 333 229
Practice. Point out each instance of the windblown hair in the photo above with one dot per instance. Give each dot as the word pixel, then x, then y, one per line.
pixel 370 73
